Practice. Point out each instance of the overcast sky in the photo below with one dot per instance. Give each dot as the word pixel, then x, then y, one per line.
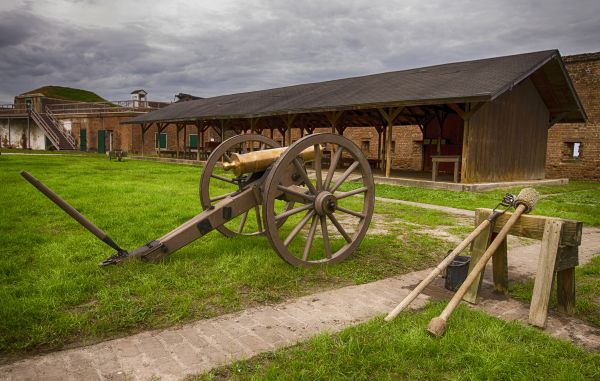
pixel 209 48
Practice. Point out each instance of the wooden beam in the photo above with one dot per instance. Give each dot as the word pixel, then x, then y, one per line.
pixel 458 110
pixel 333 118
pixel 530 226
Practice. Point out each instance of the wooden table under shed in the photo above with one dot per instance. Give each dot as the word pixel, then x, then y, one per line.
pixel 436 159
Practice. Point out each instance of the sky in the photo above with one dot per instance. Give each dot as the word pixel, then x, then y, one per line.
pixel 209 48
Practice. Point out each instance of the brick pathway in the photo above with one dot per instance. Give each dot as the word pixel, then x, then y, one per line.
pixel 173 353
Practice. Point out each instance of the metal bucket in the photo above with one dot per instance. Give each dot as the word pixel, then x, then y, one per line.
pixel 457 272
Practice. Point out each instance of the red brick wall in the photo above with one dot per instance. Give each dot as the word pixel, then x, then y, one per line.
pixel 584 70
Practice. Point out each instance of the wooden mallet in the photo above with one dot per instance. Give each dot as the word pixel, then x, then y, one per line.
pixel 524 203
pixel 507 202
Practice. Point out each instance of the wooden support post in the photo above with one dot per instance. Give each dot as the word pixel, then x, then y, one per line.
pixel 177 129
pixel 185 141
pixel 199 140
pixel 223 125
pixel 379 147
pixel 500 266
pixel 271 133
pixel 479 247
pixel 389 115
pixel 565 289
pixel 545 273
pixel 333 118
pixel 287 134
pixel 143 133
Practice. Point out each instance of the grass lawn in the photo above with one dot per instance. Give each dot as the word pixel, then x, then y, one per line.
pixel 587 288
pixel 476 346
pixel 53 293
pixel 578 200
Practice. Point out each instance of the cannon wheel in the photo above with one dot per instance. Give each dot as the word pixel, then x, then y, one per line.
pixel 241 144
pixel 342 220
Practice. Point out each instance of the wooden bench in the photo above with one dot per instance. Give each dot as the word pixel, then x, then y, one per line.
pixel 117 154
pixel 559 254
pixel 435 160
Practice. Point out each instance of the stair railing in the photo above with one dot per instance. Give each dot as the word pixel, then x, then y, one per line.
pixel 50 132
pixel 66 133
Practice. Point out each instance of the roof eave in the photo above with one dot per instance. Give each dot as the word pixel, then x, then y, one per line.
pixel 422 102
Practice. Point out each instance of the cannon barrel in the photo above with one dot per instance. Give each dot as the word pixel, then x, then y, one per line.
pixel 258 161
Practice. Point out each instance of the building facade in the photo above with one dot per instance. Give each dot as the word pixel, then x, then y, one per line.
pixel 574 148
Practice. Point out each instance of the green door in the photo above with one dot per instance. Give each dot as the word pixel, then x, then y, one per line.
pixel 83 139
pixel 101 141
pixel 161 142
pixel 193 141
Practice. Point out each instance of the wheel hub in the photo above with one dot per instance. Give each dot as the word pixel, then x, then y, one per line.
pixel 325 203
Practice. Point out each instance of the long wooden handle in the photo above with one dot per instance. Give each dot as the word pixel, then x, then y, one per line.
pixel 482 262
pixel 438 270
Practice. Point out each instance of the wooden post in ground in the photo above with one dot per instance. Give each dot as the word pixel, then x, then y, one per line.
pixel 389 115
pixel 544 277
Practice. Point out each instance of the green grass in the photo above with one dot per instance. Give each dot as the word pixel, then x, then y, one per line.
pixel 476 346
pixel 578 200
pixel 68 93
pixel 587 291
pixel 53 293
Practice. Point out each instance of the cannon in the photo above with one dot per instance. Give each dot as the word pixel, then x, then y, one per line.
pixel 251 186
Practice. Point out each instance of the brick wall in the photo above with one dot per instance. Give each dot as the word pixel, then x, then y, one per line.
pixel 584 70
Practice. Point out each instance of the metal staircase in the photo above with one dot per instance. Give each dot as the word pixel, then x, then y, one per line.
pixel 53 129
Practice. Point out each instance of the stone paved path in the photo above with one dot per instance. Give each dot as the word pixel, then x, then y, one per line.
pixel 173 353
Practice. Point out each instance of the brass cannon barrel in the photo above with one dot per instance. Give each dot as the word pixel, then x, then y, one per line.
pixel 258 161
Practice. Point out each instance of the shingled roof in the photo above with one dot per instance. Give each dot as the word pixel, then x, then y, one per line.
pixel 470 81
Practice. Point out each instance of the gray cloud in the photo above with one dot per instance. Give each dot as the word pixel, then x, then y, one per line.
pixel 268 43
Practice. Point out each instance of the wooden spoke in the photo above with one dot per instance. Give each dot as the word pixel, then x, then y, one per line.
pixel 317 165
pixel 306 196
pixel 342 195
pixel 325 236
pixel 349 211
pixel 304 176
pixel 343 178
pixel 220 197
pixel 309 238
pixel 222 178
pixel 258 219
pixel 298 228
pixel 243 222
pixel 332 166
pixel 339 227
pixel 293 211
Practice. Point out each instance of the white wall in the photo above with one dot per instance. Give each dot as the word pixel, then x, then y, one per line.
pixel 17 129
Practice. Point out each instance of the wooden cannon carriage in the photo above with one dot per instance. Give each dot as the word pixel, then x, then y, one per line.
pixel 251 186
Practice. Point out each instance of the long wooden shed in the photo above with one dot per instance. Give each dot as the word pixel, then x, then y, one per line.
pixel 493 114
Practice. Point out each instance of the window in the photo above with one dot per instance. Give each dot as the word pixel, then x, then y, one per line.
pixel 162 142
pixel 393 149
pixel 572 151
pixel 364 146
pixel 575 150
